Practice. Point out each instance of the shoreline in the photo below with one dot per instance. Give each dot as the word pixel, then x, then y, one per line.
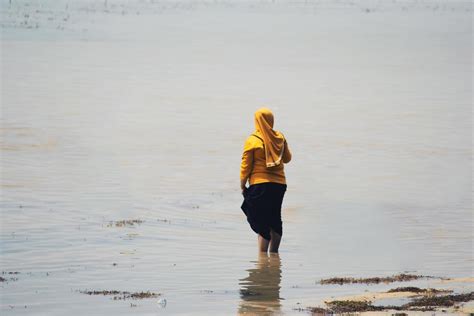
pixel 408 300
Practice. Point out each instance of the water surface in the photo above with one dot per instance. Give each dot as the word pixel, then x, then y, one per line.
pixel 140 111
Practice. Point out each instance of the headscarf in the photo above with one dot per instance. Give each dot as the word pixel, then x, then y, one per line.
pixel 273 140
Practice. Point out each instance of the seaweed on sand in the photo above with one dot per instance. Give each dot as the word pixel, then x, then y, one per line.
pixel 430 302
pixel 426 303
pixel 337 307
pixel 313 310
pixel 414 289
pixel 374 280
pixel 352 306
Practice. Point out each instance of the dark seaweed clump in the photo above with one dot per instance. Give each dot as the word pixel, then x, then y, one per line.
pixel 122 295
pixel 314 310
pixel 2 279
pixel 102 292
pixel 123 223
pixel 336 307
pixel 429 303
pixel 141 295
pixel 352 306
pixel 414 289
pixel 374 280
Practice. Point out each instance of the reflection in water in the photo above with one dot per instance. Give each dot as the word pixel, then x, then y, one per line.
pixel 260 291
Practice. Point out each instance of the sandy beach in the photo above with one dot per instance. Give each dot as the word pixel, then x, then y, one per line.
pixel 122 126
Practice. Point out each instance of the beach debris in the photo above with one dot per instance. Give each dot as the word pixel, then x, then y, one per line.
pixel 122 295
pixel 125 223
pixel 162 302
pixel 374 280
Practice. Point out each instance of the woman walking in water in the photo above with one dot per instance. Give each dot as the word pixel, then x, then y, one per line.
pixel 265 152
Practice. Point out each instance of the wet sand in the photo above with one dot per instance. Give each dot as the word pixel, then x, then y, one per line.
pixel 122 127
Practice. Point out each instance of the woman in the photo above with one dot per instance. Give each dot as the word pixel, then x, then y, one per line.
pixel 265 152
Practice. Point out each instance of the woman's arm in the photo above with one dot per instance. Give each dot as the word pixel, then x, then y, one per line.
pixel 247 164
pixel 286 154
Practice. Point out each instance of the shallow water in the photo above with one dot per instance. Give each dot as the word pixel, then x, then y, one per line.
pixel 140 111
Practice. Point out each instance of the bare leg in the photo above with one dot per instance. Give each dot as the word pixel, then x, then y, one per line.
pixel 262 244
pixel 275 241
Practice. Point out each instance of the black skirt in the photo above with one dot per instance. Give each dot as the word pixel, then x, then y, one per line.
pixel 262 206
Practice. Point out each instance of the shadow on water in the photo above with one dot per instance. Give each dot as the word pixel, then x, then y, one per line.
pixel 260 290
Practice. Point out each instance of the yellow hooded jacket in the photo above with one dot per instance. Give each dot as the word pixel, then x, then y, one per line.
pixel 254 166
pixel 261 164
